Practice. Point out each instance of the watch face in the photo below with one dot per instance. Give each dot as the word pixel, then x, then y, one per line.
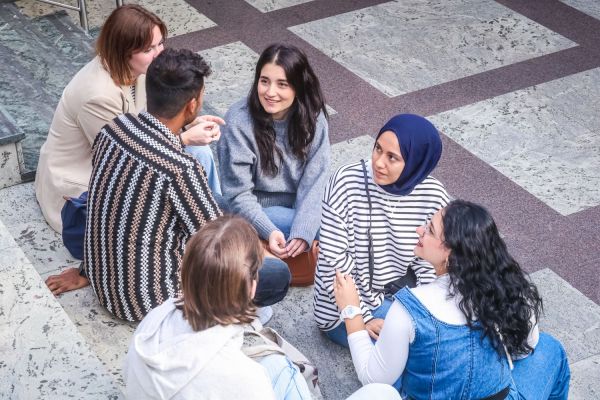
pixel 350 312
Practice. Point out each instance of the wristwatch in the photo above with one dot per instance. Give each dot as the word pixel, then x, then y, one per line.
pixel 350 312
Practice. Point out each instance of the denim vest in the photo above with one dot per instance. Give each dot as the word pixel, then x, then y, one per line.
pixel 448 361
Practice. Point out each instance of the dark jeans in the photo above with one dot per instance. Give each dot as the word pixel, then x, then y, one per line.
pixel 273 282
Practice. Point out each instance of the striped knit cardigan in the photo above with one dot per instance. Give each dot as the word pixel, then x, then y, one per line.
pixel 146 198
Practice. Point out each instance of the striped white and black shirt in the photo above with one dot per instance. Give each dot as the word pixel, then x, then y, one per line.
pixel 344 244
pixel 146 198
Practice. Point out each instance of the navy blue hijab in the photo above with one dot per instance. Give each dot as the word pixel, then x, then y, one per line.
pixel 421 148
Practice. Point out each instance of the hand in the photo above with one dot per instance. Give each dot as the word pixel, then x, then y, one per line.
pixel 295 247
pixel 374 327
pixel 202 131
pixel 68 280
pixel 345 291
pixel 277 244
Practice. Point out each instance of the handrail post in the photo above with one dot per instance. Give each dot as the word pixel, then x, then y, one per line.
pixel 83 16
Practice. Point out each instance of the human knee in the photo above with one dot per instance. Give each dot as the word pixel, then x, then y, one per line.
pixel 376 391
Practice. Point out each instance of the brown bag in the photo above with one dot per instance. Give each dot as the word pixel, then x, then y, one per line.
pixel 303 266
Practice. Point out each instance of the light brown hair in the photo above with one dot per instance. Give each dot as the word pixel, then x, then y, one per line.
pixel 127 30
pixel 220 263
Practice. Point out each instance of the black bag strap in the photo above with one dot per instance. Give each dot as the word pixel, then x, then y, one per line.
pixel 369 236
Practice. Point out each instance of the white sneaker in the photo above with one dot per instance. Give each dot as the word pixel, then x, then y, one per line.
pixel 264 314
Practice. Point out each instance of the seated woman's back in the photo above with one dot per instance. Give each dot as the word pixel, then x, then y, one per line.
pixel 168 359
pixel 191 347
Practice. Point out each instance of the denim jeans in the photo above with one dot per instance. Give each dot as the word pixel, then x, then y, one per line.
pixel 205 157
pixel 273 282
pixel 544 374
pixel 340 336
pixel 282 218
pixel 288 383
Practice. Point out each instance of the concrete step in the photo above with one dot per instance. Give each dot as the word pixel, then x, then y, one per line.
pixel 44 356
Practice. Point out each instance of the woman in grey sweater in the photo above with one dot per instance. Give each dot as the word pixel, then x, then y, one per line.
pixel 274 152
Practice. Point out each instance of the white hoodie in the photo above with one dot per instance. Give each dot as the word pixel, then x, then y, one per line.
pixel 168 360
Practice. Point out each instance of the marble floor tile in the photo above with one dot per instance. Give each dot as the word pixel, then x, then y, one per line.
pixel 545 138
pixel 402 46
pixel 271 5
pixel 585 375
pixel 178 15
pixel 590 7
pixel 43 354
pixel 351 151
pixel 569 316
pixel 337 376
pixel 10 172
pixel 43 246
pixel 232 75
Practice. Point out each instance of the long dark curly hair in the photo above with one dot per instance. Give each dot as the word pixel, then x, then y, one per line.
pixel 494 289
pixel 305 109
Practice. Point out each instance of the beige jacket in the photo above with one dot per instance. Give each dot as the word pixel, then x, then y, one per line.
pixel 89 101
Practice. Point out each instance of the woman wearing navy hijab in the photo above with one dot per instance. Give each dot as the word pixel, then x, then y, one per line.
pixel 371 210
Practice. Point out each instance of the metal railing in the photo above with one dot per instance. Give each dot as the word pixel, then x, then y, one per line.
pixel 80 8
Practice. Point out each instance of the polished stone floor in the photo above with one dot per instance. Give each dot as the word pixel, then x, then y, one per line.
pixel 511 84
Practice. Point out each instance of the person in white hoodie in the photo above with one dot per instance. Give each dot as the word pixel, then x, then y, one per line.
pixel 191 347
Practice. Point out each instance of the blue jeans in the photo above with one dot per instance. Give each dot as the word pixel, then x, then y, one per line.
pixel 273 282
pixel 544 374
pixel 205 157
pixel 340 336
pixel 282 218
pixel 288 383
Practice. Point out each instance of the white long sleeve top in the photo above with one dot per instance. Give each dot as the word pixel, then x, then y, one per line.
pixel 384 361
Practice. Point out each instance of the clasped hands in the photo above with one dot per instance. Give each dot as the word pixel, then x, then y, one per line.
pixel 202 131
pixel 278 246
pixel 346 294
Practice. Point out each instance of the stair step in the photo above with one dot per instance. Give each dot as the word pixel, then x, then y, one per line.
pixel 43 354
pixel 41 56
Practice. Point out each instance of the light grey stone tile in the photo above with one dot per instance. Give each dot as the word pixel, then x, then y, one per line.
pixel 351 151
pixel 178 15
pixel 10 173
pixel 43 354
pixel 585 376
pixel 545 138
pixel 590 7
pixel 233 72
pixel 293 319
pixel 569 316
pixel 271 5
pixel 108 337
pixel 403 46
pixel 43 246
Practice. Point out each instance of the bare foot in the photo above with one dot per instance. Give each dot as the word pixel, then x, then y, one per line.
pixel 68 280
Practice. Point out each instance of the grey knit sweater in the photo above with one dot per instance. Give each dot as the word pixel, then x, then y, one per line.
pixel 297 185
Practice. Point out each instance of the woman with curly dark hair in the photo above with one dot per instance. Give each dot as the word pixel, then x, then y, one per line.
pixel 472 333
pixel 274 152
